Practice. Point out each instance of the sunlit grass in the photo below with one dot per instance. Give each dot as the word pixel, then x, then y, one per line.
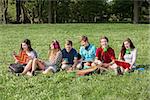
pixel 134 86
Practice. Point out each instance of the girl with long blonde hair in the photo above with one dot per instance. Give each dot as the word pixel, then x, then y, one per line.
pixel 54 60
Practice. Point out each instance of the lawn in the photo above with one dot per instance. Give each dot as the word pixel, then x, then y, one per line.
pixel 60 86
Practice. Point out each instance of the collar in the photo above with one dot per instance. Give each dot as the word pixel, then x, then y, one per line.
pixel 87 47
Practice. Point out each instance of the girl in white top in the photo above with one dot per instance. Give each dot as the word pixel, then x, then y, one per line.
pixel 52 64
pixel 128 53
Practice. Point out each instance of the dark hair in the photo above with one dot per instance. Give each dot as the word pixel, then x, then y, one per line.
pixel 69 42
pixel 104 37
pixel 84 38
pixel 27 41
pixel 123 49
pixel 56 45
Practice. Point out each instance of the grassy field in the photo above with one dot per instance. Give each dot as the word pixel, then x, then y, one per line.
pixel 60 86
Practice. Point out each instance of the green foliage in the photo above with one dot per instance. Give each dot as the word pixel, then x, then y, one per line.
pixel 11 11
pixel 108 86
pixel 123 8
pixel 79 10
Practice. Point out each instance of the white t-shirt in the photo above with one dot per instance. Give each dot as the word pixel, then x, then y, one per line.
pixel 31 54
pixel 131 58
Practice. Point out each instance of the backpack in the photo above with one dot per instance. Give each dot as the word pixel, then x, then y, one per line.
pixel 16 68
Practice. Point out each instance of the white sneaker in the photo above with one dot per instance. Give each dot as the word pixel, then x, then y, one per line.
pixel 29 74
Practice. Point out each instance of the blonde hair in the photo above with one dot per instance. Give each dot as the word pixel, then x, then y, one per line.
pixel 52 53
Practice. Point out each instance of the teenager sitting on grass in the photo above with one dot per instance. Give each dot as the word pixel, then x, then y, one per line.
pixel 105 55
pixel 69 56
pixel 127 56
pixel 26 55
pixel 54 60
pixel 87 52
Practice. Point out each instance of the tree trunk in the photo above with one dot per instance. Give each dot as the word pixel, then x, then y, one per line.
pixel 49 11
pixel 135 12
pixel 4 11
pixel 18 10
pixel 33 16
pixel 40 11
pixel 54 10
pixel 1 11
pixel 22 16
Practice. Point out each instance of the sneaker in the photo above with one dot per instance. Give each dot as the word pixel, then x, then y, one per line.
pixel 119 72
pixel 29 74
pixel 33 73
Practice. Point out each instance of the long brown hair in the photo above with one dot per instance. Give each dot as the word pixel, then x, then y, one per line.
pixel 123 49
pixel 26 41
pixel 52 52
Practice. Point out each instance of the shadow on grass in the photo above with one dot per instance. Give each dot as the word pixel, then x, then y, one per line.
pixel 145 66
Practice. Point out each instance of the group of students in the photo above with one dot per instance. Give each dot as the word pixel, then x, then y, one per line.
pixel 69 59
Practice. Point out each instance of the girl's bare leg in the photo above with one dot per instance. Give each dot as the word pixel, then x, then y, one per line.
pixel 85 71
pixel 34 65
pixel 37 64
pixel 48 70
pixel 126 70
pixel 27 67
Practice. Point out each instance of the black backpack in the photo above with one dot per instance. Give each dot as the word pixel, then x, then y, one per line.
pixel 16 68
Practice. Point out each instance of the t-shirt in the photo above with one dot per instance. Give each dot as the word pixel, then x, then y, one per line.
pixel 88 54
pixel 69 56
pixel 131 57
pixel 32 54
pixel 105 57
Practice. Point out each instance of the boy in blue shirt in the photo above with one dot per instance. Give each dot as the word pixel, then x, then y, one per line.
pixel 69 56
pixel 87 52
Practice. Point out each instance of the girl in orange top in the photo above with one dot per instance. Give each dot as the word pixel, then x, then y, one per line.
pixel 25 56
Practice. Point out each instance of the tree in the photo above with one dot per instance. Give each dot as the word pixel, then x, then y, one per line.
pixel 1 11
pixel 49 11
pixel 54 5
pixel 40 11
pixel 18 10
pixel 63 11
pixel 4 7
pixel 136 11
pixel 122 9
pixel 91 10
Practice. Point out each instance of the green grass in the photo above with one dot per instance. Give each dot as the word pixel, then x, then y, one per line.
pixel 134 86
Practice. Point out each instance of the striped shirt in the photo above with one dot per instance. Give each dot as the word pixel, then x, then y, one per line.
pixel 24 56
